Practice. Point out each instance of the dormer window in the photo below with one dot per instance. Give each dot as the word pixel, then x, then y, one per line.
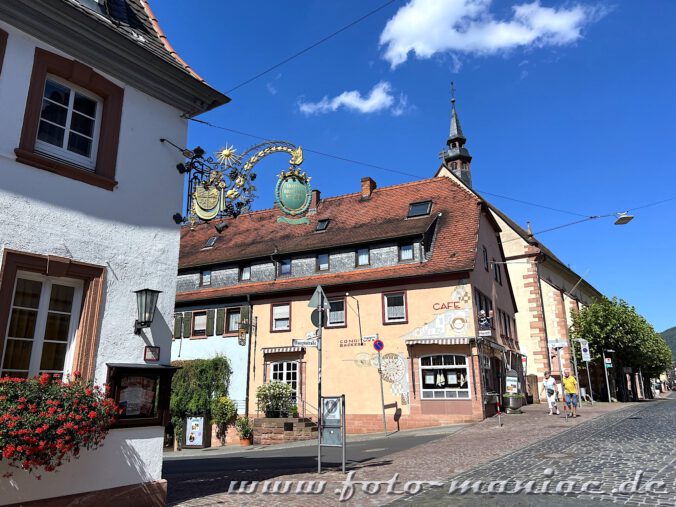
pixel 322 225
pixel 406 252
pixel 205 277
pixel 245 273
pixel 210 242
pixel 285 267
pixel 419 209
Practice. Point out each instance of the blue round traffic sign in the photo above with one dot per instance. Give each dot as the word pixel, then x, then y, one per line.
pixel 378 345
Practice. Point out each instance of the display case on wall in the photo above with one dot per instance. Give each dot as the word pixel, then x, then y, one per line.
pixel 142 391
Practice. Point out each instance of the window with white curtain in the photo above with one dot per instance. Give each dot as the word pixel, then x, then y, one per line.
pixel 406 252
pixel 336 312
pixel 395 307
pixel 363 257
pixel 281 317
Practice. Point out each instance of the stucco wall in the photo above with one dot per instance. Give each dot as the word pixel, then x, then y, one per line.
pixel 129 231
pixel 347 364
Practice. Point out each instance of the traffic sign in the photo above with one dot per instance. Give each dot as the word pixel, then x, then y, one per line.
pixel 584 347
pixel 378 345
pixel 304 342
pixel 557 344
pixel 314 318
pixel 318 298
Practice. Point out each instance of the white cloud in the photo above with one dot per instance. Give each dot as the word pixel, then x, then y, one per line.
pixel 271 88
pixel 380 98
pixel 428 27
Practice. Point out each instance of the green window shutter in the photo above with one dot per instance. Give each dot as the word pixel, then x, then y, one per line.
pixel 220 322
pixel 210 322
pixel 187 324
pixel 178 324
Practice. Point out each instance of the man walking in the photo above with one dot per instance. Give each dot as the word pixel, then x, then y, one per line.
pixel 570 392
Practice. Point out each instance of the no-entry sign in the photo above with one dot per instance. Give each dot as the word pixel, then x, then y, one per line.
pixel 378 345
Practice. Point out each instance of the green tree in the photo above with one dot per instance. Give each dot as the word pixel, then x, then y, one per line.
pixel 194 387
pixel 613 324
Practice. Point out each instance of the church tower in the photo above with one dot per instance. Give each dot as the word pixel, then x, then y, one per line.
pixel 455 156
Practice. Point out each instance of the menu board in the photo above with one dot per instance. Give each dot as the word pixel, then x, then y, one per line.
pixel 138 395
pixel 194 431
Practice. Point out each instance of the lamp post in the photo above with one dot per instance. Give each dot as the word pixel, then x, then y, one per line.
pixel 605 370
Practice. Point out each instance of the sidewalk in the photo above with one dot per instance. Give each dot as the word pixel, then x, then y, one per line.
pixel 235 449
pixel 434 461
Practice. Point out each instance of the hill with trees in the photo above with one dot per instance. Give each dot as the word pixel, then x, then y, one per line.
pixel 670 337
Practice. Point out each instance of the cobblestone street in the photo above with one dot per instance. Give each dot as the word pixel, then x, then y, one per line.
pixel 522 448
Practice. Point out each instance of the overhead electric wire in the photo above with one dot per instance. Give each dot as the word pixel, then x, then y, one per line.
pixel 305 50
pixel 404 173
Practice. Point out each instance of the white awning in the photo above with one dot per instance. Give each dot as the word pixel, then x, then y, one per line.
pixel 278 350
pixel 438 341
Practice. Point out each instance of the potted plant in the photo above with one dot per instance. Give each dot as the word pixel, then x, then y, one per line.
pixel 275 398
pixel 223 413
pixel 244 430
pixel 294 411
pixel 513 402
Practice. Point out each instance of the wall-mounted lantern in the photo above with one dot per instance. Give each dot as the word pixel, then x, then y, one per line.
pixel 146 301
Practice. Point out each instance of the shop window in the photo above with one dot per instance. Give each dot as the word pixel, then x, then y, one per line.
pixel 363 257
pixel 406 252
pixel 43 319
pixel 199 323
pixel 285 267
pixel 444 377
pixel 394 308
pixel 323 262
pixel 337 316
pixel 205 277
pixel 72 121
pixel 233 316
pixel 287 372
pixel 281 317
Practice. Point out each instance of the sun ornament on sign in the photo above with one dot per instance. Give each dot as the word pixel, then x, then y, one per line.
pixel 221 186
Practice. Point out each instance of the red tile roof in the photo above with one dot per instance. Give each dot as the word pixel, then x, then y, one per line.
pixel 352 221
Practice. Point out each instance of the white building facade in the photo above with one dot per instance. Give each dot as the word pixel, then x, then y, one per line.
pixel 88 192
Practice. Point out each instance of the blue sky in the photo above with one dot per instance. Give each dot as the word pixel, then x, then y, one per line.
pixel 567 104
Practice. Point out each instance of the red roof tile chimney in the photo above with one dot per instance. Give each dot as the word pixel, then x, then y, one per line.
pixel 314 201
pixel 367 187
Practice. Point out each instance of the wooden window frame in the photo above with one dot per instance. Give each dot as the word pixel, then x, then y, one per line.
pixel 272 317
pixel 356 257
pixel 194 336
pixel 91 311
pixel 384 305
pixel 202 284
pixel 85 77
pixel 344 324
pixel 228 312
pixel 3 46
pixel 328 262
pixel 399 250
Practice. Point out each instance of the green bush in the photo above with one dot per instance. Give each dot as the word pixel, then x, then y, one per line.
pixel 275 398
pixel 244 428
pixel 223 413
pixel 194 387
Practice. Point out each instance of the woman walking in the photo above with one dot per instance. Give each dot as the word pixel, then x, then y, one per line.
pixel 549 387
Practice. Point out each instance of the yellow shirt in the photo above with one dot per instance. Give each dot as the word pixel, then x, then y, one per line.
pixel 569 384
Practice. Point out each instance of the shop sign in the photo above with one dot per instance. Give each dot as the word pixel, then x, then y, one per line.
pixel 350 342
pixel 449 305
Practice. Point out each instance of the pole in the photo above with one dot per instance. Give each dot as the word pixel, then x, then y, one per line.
pixel 591 393
pixel 605 370
pixel 320 311
pixel 382 393
pixel 640 377
pixel 344 431
pixel 577 379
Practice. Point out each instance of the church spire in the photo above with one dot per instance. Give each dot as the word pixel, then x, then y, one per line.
pixel 456 157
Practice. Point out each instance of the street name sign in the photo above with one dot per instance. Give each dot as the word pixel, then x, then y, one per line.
pixel 369 338
pixel 305 342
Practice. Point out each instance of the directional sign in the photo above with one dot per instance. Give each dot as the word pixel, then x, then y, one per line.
pixel 318 297
pixel 304 342
pixel 557 344
pixel 378 345
pixel 369 338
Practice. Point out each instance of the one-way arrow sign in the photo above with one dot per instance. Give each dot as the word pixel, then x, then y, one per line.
pixel 317 298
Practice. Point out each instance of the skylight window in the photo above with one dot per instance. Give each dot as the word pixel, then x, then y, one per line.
pixel 211 241
pixel 322 225
pixel 419 209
